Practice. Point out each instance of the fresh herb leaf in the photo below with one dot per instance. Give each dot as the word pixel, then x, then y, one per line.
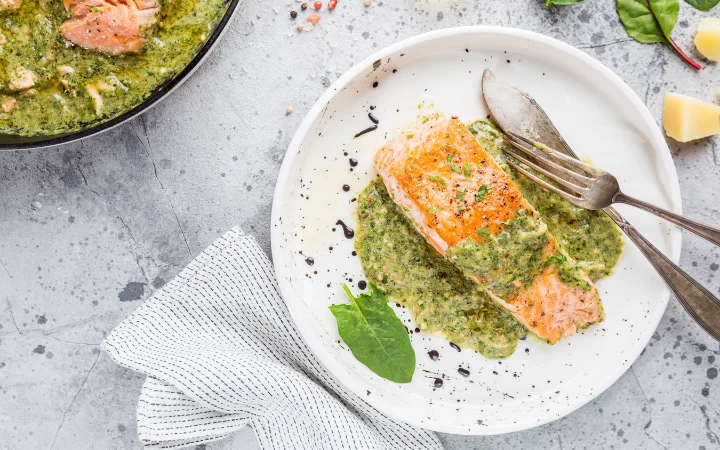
pixel 483 232
pixel 92 8
pixel 484 190
pixel 557 258
pixel 652 21
pixel 410 136
pixel 703 5
pixel 466 169
pixel 461 208
pixel 461 194
pixel 436 178
pixel 549 3
pixel 452 164
pixel 375 335
pixel 431 210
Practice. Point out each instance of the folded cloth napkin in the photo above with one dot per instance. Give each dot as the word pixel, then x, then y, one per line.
pixel 221 352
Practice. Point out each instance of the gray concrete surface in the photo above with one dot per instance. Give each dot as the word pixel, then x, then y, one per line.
pixel 90 230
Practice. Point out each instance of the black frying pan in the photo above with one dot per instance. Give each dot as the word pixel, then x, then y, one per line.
pixel 12 142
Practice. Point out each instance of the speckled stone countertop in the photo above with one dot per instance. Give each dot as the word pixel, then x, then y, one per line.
pixel 90 230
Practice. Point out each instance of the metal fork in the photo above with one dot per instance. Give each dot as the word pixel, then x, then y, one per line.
pixel 517 113
pixel 587 186
pixel 592 188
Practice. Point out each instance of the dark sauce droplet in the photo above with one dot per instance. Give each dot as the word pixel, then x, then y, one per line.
pixel 346 188
pixel 366 130
pixel 347 231
pixel 353 162
pixel 464 372
pixel 362 285
pixel 434 355
pixel 438 382
pixel 375 84
pixel 373 106
pixel 354 253
pixel 308 260
pixel 455 346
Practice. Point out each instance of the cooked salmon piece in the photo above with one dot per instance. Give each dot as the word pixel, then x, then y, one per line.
pixel 9 4
pixel 110 26
pixel 8 104
pixel 21 80
pixel 470 211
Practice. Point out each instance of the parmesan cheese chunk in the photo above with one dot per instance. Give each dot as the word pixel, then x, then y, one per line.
pixel 686 118
pixel 707 39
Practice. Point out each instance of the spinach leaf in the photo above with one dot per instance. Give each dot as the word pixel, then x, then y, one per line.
pixel 561 2
pixel 375 335
pixel 652 21
pixel 703 5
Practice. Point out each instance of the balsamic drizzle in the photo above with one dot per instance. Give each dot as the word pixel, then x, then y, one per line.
pixel 347 231
pixel 373 119
pixel 366 130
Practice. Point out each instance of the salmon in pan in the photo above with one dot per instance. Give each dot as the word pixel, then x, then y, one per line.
pixel 470 211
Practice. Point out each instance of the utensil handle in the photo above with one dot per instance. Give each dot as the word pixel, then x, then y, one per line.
pixel 697 301
pixel 704 231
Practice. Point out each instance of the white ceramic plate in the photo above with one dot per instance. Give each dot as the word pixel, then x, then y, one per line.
pixel 599 116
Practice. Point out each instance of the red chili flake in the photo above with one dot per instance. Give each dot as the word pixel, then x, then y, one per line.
pixel 317 4
pixel 314 18
pixel 332 4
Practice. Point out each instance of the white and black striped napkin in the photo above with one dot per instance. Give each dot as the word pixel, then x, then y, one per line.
pixel 221 352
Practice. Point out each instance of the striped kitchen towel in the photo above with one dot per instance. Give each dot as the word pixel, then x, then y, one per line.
pixel 220 352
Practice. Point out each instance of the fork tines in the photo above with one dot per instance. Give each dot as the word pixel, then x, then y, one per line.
pixel 568 172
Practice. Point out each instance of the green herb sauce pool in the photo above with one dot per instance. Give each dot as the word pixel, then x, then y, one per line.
pixel 398 260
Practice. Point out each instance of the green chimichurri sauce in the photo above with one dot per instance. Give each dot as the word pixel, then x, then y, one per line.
pixel 62 103
pixel 398 260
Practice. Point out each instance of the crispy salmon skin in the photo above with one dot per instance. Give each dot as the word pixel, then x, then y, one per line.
pixel 470 211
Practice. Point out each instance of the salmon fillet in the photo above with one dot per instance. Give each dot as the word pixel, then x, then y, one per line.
pixel 109 26
pixel 9 4
pixel 470 211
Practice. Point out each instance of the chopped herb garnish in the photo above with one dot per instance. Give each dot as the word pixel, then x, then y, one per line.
pixel 410 136
pixel 431 210
pixel 484 190
pixel 461 194
pixel 557 258
pixel 438 179
pixel 483 232
pixel 452 164
pixel 466 169
pixel 461 208
pixel 92 8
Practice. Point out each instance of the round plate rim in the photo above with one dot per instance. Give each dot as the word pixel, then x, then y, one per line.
pixel 335 368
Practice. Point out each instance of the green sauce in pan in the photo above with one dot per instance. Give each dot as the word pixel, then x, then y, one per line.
pixel 32 42
pixel 398 260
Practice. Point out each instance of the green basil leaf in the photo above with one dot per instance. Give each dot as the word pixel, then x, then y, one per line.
pixel 648 21
pixel 375 335
pixel 703 5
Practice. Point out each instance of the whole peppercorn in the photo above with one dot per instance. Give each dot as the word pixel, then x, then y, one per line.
pixel 293 14
pixel 303 6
